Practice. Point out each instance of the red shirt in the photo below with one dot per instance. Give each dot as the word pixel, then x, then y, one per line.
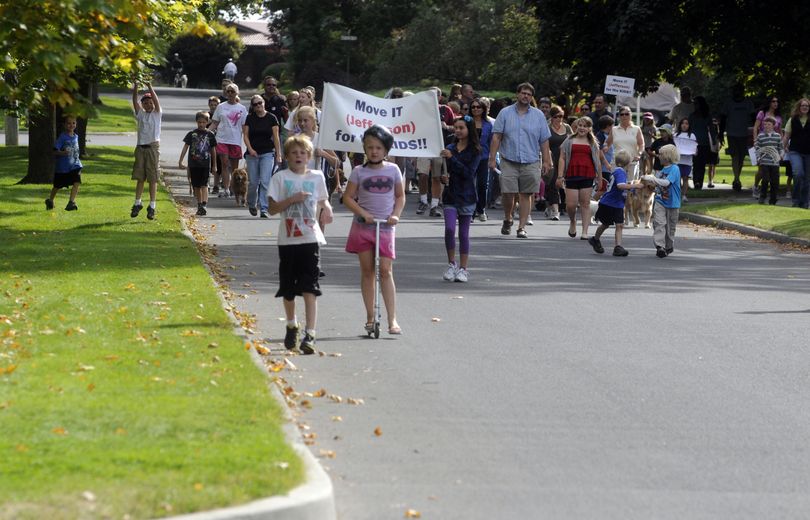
pixel 581 163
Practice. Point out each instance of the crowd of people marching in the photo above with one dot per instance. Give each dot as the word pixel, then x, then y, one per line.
pixel 521 155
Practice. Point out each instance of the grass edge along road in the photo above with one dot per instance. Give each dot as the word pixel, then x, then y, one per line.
pixel 794 222
pixel 123 388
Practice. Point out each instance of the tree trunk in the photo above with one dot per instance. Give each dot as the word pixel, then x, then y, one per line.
pixel 86 86
pixel 81 131
pixel 12 130
pixel 41 137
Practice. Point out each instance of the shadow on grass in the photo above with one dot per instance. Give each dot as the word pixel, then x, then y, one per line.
pixel 798 227
pixel 95 248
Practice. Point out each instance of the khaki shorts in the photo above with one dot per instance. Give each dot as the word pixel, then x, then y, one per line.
pixel 424 166
pixel 520 177
pixel 147 163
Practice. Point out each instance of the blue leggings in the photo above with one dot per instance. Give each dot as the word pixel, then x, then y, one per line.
pixel 450 217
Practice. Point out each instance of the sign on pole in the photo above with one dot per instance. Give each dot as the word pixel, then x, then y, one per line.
pixel 620 86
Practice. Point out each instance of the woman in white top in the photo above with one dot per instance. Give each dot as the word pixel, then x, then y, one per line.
pixel 228 120
pixel 627 137
pixel 686 143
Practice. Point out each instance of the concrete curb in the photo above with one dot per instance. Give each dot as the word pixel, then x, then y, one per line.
pixel 720 223
pixel 312 500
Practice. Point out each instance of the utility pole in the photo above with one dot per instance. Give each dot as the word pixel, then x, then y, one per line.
pixel 350 39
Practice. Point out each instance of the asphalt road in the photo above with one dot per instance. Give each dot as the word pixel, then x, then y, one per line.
pixel 557 383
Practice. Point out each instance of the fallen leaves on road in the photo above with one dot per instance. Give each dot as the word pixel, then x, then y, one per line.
pixel 327 454
pixel 377 431
pixel 412 513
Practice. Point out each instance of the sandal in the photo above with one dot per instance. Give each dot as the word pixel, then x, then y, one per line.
pixel 395 330
pixel 369 327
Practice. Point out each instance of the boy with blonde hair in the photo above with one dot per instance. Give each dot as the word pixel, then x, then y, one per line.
pixel 299 194
pixel 667 204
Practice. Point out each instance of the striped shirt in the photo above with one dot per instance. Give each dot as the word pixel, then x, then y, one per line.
pixel 769 149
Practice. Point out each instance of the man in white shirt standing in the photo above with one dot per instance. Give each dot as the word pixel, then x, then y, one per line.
pixel 230 69
pixel 147 152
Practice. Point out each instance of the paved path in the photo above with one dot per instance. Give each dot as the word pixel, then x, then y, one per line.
pixel 557 383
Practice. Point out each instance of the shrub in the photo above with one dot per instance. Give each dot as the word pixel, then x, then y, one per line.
pixel 204 56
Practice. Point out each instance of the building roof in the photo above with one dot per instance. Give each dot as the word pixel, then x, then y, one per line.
pixel 254 33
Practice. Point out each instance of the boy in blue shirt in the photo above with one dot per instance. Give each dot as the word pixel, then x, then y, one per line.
pixel 667 205
pixel 611 206
pixel 68 166
pixel 605 128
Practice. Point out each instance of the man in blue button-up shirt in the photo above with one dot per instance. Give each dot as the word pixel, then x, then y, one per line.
pixel 520 133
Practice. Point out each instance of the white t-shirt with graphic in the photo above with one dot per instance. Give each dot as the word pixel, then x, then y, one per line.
pixel 231 120
pixel 299 222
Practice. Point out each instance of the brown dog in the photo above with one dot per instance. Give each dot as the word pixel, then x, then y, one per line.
pixel 239 186
pixel 639 205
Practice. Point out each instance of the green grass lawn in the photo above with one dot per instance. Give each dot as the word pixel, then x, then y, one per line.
pixel 794 222
pixel 120 374
pixel 114 115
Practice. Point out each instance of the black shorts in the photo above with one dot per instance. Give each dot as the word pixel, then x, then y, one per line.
pixel 66 180
pixel 298 270
pixel 608 215
pixel 578 183
pixel 199 177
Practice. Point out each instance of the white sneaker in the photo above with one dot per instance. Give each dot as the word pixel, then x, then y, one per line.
pixel 462 275
pixel 450 274
pixel 482 217
pixel 555 215
pixel 529 221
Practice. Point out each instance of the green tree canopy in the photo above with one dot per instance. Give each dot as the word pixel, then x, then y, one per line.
pixel 759 43
pixel 49 47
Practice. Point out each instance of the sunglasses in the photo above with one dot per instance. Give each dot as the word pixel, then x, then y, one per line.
pixel 476 106
pixel 230 92
pixel 558 116
pixel 270 84
pixel 257 103
pixel 624 113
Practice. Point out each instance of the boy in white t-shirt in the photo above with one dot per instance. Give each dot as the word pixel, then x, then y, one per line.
pixel 299 194
pixel 147 153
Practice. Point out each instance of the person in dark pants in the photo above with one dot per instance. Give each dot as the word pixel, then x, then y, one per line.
pixel 735 119
pixel 700 123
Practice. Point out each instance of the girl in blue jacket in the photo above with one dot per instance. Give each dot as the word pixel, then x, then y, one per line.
pixel 459 197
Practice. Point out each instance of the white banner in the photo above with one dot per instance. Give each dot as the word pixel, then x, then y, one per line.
pixel 414 121
pixel 620 86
